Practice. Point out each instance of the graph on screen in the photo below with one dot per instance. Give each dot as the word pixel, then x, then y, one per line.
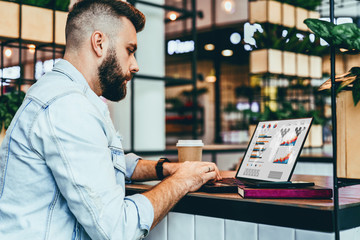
pixel 283 160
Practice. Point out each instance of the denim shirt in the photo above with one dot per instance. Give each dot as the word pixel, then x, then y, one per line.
pixel 63 169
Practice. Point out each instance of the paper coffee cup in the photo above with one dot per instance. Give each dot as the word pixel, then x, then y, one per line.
pixel 189 150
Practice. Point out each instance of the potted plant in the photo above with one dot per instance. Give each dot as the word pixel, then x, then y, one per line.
pixel 267 54
pixel 346 36
pixel 9 104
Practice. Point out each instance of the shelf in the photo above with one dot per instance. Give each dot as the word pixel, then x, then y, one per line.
pixel 180 121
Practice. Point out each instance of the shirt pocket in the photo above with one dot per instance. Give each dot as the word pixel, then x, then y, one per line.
pixel 118 159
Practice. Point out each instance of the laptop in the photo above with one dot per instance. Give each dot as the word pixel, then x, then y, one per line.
pixel 270 157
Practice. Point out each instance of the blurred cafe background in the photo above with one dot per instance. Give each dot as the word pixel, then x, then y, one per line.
pixel 208 74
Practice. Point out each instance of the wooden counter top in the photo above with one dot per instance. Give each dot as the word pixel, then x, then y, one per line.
pixel 310 214
pixel 323 155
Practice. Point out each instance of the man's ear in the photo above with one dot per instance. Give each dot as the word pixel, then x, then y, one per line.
pixel 98 43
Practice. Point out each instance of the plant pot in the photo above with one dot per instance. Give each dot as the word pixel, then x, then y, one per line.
pixel 348 131
pixel 315 67
pixel 289 63
pixel 9 20
pixel 36 23
pixel 266 61
pixel 288 15
pixel 301 14
pixel 316 136
pixel 60 23
pixel 302 65
pixel 339 66
pixel 352 60
pixel 313 14
pixel 265 11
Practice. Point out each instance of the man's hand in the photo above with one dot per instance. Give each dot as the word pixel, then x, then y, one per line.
pixel 195 174
pixel 145 169
pixel 186 177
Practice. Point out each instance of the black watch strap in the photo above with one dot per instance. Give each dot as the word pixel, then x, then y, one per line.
pixel 159 168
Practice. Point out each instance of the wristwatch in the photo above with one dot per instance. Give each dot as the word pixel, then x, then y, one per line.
pixel 159 168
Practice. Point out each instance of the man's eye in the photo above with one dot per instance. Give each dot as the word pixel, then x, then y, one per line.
pixel 131 50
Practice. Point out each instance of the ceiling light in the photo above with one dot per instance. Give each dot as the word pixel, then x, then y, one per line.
pixel 209 47
pixel 31 48
pixel 210 79
pixel 227 53
pixel 235 38
pixel 8 52
pixel 247 47
pixel 172 16
pixel 228 6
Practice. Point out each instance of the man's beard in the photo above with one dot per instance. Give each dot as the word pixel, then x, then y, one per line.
pixel 112 79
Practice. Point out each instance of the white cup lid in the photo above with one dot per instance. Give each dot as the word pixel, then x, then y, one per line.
pixel 190 143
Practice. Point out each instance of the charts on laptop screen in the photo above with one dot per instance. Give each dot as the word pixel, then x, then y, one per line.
pixel 273 150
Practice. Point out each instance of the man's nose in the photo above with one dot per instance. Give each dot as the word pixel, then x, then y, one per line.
pixel 134 67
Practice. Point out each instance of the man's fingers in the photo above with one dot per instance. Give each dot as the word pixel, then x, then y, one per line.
pixel 209 176
pixel 213 167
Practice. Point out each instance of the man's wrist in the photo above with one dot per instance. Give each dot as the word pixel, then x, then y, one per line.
pixel 170 168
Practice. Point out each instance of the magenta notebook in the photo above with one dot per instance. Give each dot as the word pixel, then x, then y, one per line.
pixel 314 192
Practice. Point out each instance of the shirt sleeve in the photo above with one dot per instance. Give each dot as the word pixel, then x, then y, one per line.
pixel 131 162
pixel 70 134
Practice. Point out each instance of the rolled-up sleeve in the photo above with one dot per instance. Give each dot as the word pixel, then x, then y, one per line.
pixel 72 140
pixel 131 162
pixel 145 210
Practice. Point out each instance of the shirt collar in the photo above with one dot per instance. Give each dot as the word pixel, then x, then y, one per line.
pixel 70 71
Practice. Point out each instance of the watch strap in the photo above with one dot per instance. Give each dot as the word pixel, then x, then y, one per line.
pixel 159 168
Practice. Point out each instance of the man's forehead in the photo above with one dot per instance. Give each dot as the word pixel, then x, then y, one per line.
pixel 127 33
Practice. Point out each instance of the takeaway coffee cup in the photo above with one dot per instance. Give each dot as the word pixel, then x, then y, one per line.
pixel 189 150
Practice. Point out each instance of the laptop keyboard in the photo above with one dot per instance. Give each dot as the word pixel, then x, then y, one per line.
pixel 230 181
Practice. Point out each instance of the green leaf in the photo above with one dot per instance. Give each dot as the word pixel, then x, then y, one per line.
pixel 321 28
pixel 356 91
pixel 9 104
pixel 345 34
pixel 355 44
pixel 355 71
pixel 7 121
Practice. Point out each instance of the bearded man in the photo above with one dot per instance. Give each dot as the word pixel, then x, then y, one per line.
pixel 62 166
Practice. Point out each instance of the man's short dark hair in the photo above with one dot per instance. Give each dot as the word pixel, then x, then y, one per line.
pixel 87 16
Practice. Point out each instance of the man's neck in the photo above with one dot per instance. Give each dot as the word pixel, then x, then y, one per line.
pixel 87 68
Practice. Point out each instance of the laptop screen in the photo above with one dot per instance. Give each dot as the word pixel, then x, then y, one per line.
pixel 273 149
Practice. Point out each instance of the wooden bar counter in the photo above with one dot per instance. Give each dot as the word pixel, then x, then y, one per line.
pixel 305 214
